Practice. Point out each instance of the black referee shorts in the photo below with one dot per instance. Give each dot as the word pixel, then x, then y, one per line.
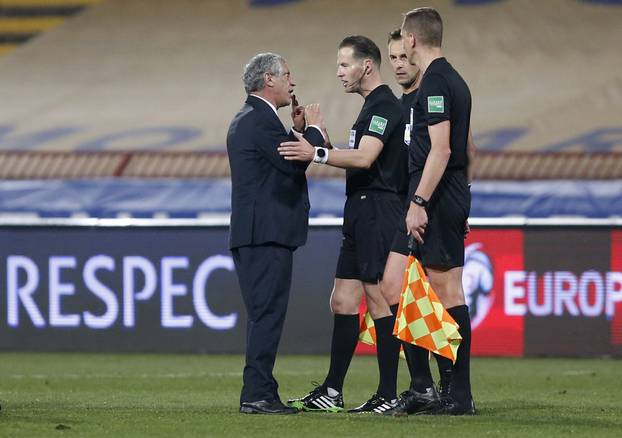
pixel 400 239
pixel 448 212
pixel 370 220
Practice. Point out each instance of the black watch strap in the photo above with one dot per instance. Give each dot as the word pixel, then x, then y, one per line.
pixel 420 201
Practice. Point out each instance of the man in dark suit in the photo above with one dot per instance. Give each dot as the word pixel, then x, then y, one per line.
pixel 269 218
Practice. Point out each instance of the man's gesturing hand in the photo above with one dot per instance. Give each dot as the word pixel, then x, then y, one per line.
pixel 300 150
pixel 313 115
pixel 298 115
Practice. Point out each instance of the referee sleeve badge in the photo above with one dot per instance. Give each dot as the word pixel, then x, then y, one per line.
pixel 436 104
pixel 378 125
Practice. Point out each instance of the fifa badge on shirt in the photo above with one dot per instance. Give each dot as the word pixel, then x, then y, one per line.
pixel 436 104
pixel 352 141
pixel 378 124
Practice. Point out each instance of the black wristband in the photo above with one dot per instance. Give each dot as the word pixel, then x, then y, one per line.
pixel 420 201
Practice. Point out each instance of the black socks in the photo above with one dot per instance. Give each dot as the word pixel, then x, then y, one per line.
pixel 461 378
pixel 445 369
pixel 418 366
pixel 345 337
pixel 388 354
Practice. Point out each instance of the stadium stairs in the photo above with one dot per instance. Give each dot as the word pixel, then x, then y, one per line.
pixel 134 92
pixel 22 20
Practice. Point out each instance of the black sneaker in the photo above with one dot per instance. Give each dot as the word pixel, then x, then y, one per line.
pixel 415 402
pixel 375 405
pixel 453 404
pixel 456 407
pixel 318 400
pixel 399 407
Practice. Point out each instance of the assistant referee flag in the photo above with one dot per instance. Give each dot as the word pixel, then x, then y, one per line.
pixel 421 318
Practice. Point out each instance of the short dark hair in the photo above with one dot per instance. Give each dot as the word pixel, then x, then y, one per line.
pixel 395 35
pixel 362 47
pixel 426 24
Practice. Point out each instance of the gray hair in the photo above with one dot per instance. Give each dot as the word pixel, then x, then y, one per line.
pixel 257 66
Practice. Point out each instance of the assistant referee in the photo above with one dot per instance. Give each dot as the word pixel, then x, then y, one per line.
pixel 439 184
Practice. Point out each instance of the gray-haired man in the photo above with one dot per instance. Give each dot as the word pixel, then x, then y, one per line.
pixel 269 218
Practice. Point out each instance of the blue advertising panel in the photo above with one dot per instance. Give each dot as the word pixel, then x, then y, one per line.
pixel 147 289
pixel 533 287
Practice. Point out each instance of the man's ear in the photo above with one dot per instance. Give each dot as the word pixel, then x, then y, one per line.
pixel 412 39
pixel 267 79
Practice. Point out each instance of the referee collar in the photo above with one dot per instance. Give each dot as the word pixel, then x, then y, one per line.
pixel 378 90
pixel 437 63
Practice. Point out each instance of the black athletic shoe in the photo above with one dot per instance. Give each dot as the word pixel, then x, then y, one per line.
pixel 455 407
pixel 318 400
pixel 453 404
pixel 415 402
pixel 375 405
pixel 399 407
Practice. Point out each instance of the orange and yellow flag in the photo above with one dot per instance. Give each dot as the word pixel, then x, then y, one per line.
pixel 421 318
pixel 367 330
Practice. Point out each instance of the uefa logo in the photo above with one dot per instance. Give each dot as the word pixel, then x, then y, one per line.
pixel 477 282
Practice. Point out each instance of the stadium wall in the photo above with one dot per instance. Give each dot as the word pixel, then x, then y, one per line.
pixel 535 288
pixel 165 75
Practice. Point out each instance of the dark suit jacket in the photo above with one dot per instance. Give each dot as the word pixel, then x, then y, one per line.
pixel 269 198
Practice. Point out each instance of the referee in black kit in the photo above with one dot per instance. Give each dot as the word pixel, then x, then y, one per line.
pixel 376 182
pixel 439 157
pixel 422 395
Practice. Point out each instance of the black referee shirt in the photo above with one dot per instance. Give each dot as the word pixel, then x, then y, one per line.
pixel 380 117
pixel 443 95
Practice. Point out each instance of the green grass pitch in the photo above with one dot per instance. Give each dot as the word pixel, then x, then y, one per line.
pixel 56 395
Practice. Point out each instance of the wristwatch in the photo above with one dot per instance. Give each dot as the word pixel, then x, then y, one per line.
pixel 321 155
pixel 420 201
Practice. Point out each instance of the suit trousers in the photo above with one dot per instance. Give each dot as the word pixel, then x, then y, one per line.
pixel 265 275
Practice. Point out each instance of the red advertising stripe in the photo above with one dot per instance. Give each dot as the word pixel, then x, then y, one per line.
pixel 616 269
pixel 489 255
